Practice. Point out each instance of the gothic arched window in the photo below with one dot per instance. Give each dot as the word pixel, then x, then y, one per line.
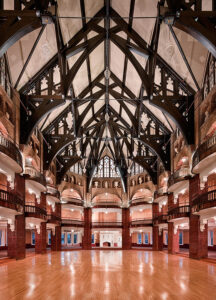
pixel 106 168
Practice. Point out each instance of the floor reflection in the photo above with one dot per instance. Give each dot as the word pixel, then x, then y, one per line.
pixel 107 274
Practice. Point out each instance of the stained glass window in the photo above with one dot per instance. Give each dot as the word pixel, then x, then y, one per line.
pixel 106 168
pixel 136 169
pixel 77 169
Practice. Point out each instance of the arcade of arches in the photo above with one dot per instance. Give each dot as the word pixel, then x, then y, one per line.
pixel 108 129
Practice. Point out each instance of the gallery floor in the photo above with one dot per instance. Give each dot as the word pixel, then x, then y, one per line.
pixel 107 274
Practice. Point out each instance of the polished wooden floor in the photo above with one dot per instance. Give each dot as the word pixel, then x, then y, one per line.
pixel 107 274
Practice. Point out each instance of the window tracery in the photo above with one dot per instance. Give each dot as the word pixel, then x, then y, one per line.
pixel 106 168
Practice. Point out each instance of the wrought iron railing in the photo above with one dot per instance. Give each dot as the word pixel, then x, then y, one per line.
pixel 75 201
pixel 202 201
pixel 141 222
pixel 205 149
pixel 160 218
pixel 139 200
pixel 106 203
pixel 52 217
pixel 106 224
pixel 9 198
pixel 162 190
pixel 73 222
pixel 31 209
pixel 178 176
pixel 177 211
pixel 10 149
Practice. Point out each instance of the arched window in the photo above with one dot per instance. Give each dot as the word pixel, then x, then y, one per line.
pixel 136 169
pixel 106 168
pixel 77 169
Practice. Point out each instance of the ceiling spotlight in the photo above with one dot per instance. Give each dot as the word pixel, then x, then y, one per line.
pixel 46 20
pixel 169 20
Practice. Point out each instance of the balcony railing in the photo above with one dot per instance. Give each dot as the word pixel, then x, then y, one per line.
pixel 160 218
pixel 106 204
pixel 35 210
pixel 204 150
pixel 107 224
pixel 179 175
pixel 10 149
pixel 205 200
pixel 178 212
pixel 75 201
pixel 141 222
pixel 35 174
pixel 10 200
pixel 138 201
pixel 53 218
pixel 71 222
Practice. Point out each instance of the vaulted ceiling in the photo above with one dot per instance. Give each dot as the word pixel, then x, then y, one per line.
pixel 97 76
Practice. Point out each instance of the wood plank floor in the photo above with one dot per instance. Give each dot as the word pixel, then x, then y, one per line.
pixel 107 275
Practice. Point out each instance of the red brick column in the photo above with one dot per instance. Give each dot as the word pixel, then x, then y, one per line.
pixel 40 239
pixel 86 242
pixel 155 210
pixel 157 239
pixel 56 239
pixel 126 238
pixel 43 201
pixel 198 240
pixel 173 239
pixel 16 238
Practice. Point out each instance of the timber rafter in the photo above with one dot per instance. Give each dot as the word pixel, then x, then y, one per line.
pixel 124 134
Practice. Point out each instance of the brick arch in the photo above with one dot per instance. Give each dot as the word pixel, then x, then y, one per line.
pixel 140 193
pixel 69 186
pixel 99 195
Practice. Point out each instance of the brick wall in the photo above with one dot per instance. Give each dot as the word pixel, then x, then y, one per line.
pixel 173 239
pixel 40 239
pixel 87 228
pixel 126 238
pixel 16 239
pixel 198 247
